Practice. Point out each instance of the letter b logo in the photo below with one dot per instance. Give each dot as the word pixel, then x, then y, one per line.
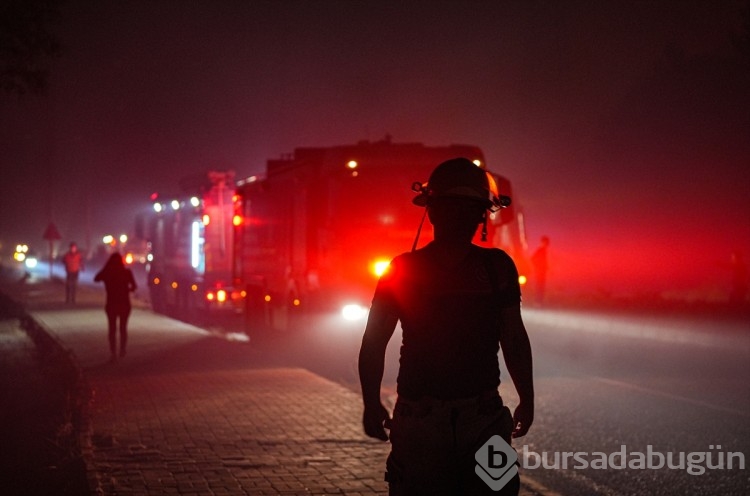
pixel 496 459
pixel 496 463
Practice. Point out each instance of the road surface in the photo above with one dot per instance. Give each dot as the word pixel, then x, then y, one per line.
pixel 611 384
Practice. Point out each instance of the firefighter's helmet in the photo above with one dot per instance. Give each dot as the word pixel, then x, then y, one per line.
pixel 460 177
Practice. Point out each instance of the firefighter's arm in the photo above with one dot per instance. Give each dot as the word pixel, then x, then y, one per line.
pixel 379 329
pixel 516 348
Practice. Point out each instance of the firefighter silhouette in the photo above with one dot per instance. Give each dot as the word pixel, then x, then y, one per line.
pixel 739 286
pixel 458 305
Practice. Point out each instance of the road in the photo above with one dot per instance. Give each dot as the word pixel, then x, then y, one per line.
pixel 605 383
pixel 678 385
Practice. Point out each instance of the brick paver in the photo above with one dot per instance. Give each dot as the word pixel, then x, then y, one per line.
pixel 264 431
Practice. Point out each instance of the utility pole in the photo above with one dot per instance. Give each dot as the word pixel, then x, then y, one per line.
pixel 51 234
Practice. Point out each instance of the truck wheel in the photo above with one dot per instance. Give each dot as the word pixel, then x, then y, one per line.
pixel 157 300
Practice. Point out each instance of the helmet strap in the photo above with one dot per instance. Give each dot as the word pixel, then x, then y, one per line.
pixel 484 228
pixel 419 231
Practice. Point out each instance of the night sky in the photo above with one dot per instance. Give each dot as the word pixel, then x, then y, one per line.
pixel 624 126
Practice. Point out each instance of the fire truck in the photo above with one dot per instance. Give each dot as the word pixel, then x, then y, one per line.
pixel 189 239
pixel 310 235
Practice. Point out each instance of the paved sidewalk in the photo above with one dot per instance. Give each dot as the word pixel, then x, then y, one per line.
pixel 272 431
pixel 190 413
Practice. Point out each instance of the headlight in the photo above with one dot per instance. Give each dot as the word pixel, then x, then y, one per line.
pixel 354 312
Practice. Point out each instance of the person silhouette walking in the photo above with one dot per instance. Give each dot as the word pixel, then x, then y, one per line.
pixel 118 283
pixel 540 262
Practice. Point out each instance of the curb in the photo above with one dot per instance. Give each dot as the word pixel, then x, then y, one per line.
pixel 78 392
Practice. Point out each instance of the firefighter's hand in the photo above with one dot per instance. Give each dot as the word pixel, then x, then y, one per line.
pixel 374 420
pixel 522 419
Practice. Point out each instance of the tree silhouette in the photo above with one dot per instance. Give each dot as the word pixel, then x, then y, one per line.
pixel 27 44
pixel 742 41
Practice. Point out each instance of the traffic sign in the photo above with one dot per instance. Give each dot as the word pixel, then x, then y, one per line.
pixel 51 233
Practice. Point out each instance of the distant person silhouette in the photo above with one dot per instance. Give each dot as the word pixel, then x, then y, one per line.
pixel 73 263
pixel 540 264
pixel 458 305
pixel 739 288
pixel 118 283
